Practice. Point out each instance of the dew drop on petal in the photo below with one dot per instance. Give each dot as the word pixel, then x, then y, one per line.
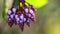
pixel 21 21
pixel 28 20
pixel 9 11
pixel 16 16
pixel 31 11
pixel 14 10
pixel 29 15
pixel 26 10
pixel 17 19
pixel 22 16
pixel 24 19
pixel 11 16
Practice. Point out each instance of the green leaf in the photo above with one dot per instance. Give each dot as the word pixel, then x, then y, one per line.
pixel 3 13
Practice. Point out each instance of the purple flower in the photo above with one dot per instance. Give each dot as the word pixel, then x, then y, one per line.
pixel 32 7
pixel 21 15
pixel 11 14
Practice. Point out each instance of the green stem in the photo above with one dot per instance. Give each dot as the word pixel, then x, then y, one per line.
pixel 4 6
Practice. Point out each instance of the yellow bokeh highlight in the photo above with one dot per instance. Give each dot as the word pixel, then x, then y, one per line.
pixel 37 3
pixel 7 6
pixel 20 4
pixel 6 10
pixel 52 26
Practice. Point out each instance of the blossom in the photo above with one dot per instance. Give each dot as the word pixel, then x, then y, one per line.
pixel 21 15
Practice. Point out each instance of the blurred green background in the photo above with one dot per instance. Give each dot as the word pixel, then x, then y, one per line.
pixel 48 21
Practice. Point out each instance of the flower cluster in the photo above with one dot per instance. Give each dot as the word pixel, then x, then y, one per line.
pixel 20 15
